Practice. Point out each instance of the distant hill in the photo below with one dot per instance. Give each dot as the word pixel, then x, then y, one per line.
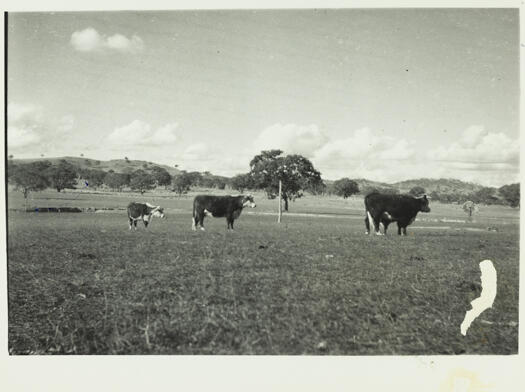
pixel 117 165
pixel 441 185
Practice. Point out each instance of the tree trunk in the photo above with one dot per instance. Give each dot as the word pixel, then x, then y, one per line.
pixel 280 203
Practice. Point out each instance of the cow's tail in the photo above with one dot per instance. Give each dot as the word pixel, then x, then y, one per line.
pixel 193 216
pixel 369 221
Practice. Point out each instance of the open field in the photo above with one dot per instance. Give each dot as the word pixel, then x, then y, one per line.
pixel 83 284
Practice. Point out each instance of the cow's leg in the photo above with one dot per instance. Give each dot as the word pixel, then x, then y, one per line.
pixel 130 223
pixel 405 230
pixel 385 224
pixel 135 223
pixel 367 224
pixel 146 224
pixel 376 226
pixel 229 220
pixel 374 222
pixel 193 223
pixel 201 221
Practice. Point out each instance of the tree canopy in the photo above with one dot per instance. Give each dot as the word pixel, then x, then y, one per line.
pixel 162 176
pixel 116 181
pixel 345 187
pixel 296 173
pixel 182 183
pixel 63 176
pixel 30 177
pixel 511 194
pixel 141 181
pixel 240 182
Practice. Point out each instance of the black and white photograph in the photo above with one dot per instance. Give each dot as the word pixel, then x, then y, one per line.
pixel 263 182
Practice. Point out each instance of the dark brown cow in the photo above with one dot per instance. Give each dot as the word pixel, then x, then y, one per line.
pixel 229 207
pixel 386 209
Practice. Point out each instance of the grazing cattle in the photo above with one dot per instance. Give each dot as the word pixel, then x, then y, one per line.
pixel 143 212
pixel 229 207
pixel 386 209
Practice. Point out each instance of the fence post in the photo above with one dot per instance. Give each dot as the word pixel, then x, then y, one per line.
pixel 280 205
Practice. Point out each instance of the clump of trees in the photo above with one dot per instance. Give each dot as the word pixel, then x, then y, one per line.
pixel 511 194
pixel 30 177
pixel 505 195
pixel 296 173
pixel 417 191
pixel 141 181
pixel 345 187
pixel 161 176
pixel 62 176
pixel 117 181
pixel 241 182
pixel 182 183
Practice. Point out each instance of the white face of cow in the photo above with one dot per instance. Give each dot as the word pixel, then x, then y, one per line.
pixel 158 213
pixel 248 202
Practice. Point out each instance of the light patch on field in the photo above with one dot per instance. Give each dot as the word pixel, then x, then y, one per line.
pixel 486 298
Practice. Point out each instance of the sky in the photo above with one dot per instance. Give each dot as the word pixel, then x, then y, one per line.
pixel 382 94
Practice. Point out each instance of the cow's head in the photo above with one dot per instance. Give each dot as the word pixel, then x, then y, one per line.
pixel 158 212
pixel 247 201
pixel 424 207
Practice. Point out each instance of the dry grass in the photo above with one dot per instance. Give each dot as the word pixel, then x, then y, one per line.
pixel 84 284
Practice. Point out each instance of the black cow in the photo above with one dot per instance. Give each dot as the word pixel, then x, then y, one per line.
pixel 219 207
pixel 143 212
pixel 386 209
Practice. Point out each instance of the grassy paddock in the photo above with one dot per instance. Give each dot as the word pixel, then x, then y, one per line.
pixel 84 284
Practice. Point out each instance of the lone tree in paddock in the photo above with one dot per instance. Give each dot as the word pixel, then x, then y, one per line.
pixel 29 177
pixel 296 173
pixel 63 176
pixel 470 208
pixel 345 187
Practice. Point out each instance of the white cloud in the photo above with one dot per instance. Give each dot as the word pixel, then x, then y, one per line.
pixel 291 138
pixel 123 44
pixel 134 133
pixel 17 112
pixel 165 134
pixel 66 123
pixel 201 157
pixel 139 133
pixel 198 151
pixel 90 40
pixel 479 146
pixel 362 154
pixel 24 125
pixel 87 40
pixel 21 137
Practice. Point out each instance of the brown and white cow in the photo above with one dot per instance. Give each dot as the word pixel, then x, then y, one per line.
pixel 143 212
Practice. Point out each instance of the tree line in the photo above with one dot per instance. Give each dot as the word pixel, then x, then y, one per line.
pixel 40 175
pixel 296 174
